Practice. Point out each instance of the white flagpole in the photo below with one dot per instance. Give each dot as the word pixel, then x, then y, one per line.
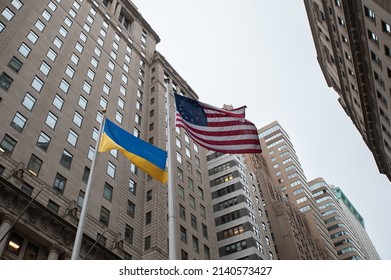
pixel 171 190
pixel 83 214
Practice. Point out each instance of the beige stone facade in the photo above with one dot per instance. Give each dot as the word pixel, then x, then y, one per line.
pixel 61 64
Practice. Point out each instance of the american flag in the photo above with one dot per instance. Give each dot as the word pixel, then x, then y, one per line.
pixel 215 129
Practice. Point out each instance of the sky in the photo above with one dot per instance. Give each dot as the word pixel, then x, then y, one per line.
pixel 261 54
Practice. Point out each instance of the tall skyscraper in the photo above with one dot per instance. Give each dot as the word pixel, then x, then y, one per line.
pixel 241 223
pixel 357 225
pixel 338 226
pixel 288 176
pixel 61 64
pixel 335 228
pixel 288 226
pixel 353 45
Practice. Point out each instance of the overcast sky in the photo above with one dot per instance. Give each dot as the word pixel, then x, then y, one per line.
pixel 261 54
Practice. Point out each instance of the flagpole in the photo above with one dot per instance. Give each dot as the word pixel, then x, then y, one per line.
pixel 83 214
pixel 171 190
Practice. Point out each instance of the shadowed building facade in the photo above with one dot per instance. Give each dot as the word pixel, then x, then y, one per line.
pixel 353 45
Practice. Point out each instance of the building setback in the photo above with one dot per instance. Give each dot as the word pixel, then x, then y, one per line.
pixel 353 45
pixel 61 64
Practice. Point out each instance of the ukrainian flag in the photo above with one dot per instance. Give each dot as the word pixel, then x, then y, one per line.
pixel 145 156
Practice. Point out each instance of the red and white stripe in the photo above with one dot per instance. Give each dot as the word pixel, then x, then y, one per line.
pixel 227 131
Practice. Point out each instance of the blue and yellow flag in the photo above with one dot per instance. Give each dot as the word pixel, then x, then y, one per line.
pixel 145 156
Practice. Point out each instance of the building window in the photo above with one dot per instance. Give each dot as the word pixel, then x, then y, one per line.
pixel 59 183
pixel 369 13
pixel 183 235
pixel 18 122
pixel 100 239
pixel 5 81
pixel 52 206
pixel 17 4
pixel 37 84
pixel 148 217
pixel 43 141
pixel 72 13
pixel 91 74
pixel 31 252
pixel 103 102
pixel 201 193
pixel 57 42
pixel 27 189
pixel 64 86
pixel 180 174
pixel 58 102
pixel 70 72
pixel 72 138
pixel 205 231
pixel 24 50
pixel 82 102
pixel 33 37
pixel 193 221
pixel 179 157
pixel 131 209
pixel 8 14
pixel 46 15
pixel 51 120
pixel 182 212
pixel 7 145
pixel 51 54
pixel 80 199
pixel 86 174
pixel 195 244
pixel 79 47
pixel 386 27
pixel 147 243
pixel 132 186
pixel 122 90
pixel 109 77
pixel 15 244
pixel 106 89
pixel 118 118
pixel 63 31
pixel 190 184
pixel 104 216
pixel 129 234
pixel 192 201
pixel 149 195
pixel 203 211
pixel 97 51
pixel 99 117
pixel 184 255
pixel 53 6
pixel 110 169
pixel 108 192
pixel 87 87
pixel 373 37
pixel 78 119
pixel 28 101
pixel 66 159
pixel 15 64
pixel 181 192
pixel 34 165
